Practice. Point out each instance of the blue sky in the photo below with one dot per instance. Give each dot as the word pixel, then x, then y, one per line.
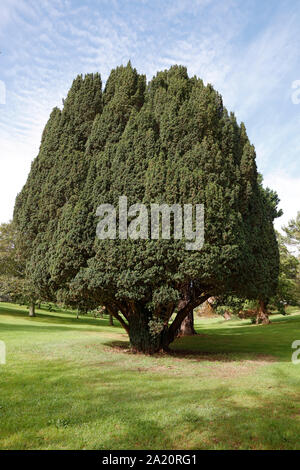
pixel 249 50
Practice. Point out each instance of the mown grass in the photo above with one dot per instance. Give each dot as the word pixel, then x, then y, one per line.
pixel 73 384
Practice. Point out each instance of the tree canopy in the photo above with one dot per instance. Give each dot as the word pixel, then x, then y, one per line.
pixel 169 141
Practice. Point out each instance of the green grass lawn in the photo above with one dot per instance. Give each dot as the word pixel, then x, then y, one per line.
pixel 73 384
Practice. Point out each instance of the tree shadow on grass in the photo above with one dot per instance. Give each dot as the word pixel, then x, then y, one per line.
pixel 236 327
pixel 54 322
pixel 55 317
pixel 37 328
pixel 231 343
pixel 116 412
pixel 198 354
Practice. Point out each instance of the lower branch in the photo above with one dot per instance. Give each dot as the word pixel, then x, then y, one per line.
pixel 115 314
pixel 182 313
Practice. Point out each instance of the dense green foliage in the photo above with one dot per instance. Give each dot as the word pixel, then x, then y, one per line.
pixel 171 141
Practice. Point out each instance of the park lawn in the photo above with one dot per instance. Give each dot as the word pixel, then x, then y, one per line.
pixel 73 384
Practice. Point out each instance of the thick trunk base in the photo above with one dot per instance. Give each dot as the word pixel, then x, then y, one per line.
pixel 32 310
pixel 146 338
pixel 187 326
pixel 262 317
pixel 227 316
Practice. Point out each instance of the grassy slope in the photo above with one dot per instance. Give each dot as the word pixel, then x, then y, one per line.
pixel 67 386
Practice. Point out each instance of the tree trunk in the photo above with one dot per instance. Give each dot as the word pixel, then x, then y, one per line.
pixel 187 326
pixel 262 317
pixel 142 339
pixel 149 335
pixel 32 309
pixel 227 316
pixel 111 320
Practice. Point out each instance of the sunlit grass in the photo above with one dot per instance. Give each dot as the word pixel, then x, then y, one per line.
pixel 73 384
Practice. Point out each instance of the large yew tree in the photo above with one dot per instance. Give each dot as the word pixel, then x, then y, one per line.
pixel 168 141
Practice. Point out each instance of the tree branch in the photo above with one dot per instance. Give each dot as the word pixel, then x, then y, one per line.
pixel 183 312
pixel 115 314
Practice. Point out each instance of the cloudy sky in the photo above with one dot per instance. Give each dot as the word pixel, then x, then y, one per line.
pixel 249 50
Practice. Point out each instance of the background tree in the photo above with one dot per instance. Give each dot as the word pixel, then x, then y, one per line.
pixel 11 267
pixel 292 231
pixel 292 238
pixel 13 283
pixel 10 261
pixel 288 291
pixel 171 141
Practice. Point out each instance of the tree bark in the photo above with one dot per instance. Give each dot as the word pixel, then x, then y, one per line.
pixel 262 317
pixel 190 295
pixel 227 316
pixel 113 311
pixel 111 320
pixel 141 338
pixel 145 334
pixel 32 309
pixel 184 308
pixel 187 326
